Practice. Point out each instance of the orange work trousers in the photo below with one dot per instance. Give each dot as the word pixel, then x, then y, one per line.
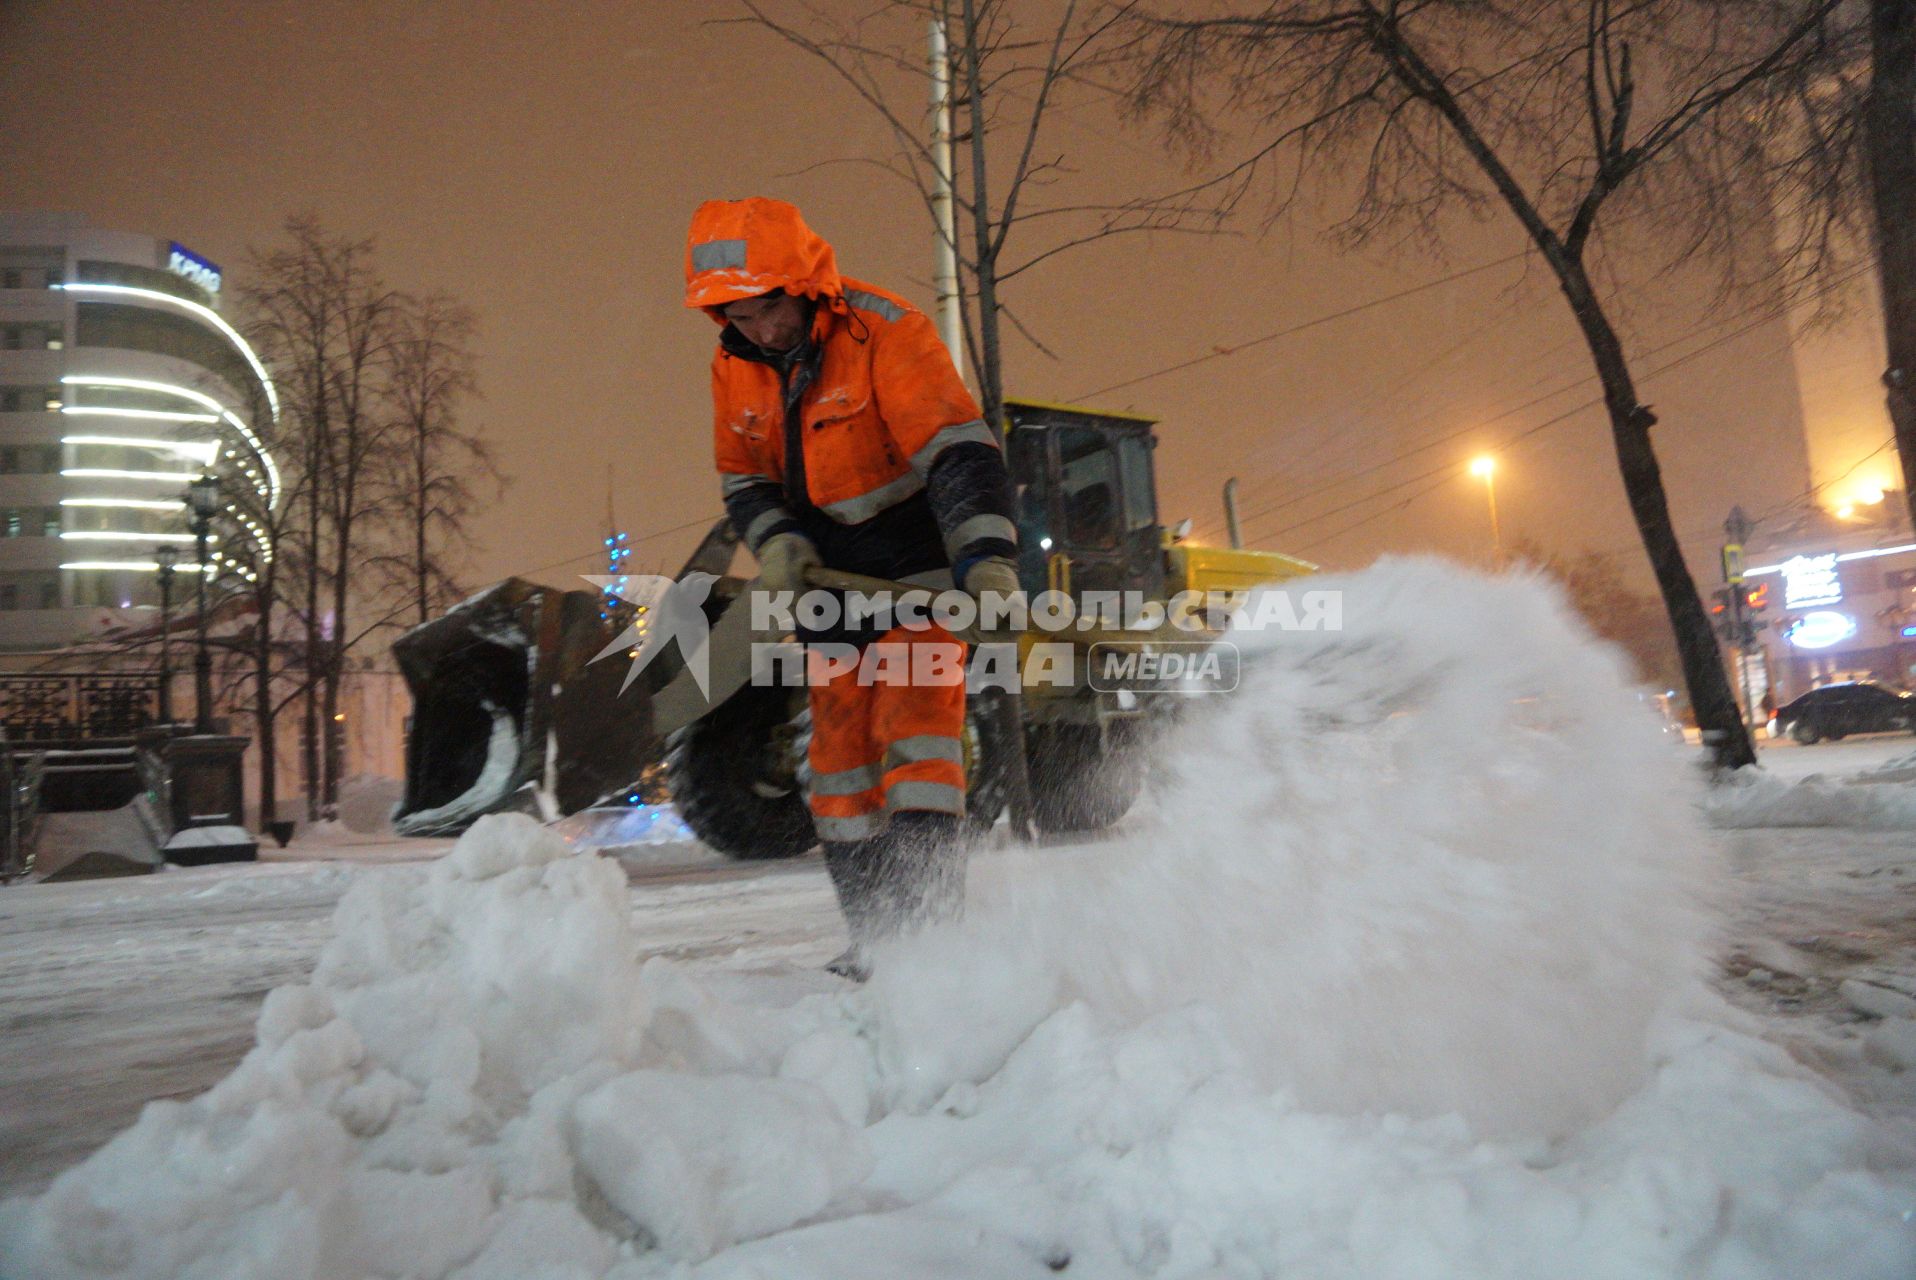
pixel 887 735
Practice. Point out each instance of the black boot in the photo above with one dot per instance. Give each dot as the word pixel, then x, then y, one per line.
pixel 910 875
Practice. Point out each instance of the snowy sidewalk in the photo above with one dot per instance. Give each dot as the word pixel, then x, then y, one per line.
pixel 118 992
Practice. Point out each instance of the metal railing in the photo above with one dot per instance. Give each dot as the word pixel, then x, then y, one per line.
pixel 54 708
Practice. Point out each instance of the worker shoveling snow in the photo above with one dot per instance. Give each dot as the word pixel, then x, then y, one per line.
pixel 1401 977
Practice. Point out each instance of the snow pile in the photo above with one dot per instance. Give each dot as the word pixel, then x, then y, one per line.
pixel 1434 861
pixel 1401 984
pixel 1878 799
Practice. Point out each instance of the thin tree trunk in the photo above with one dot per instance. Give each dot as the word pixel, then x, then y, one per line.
pixel 990 376
pixel 420 515
pixel 1711 698
pixel 263 716
pixel 1890 136
pixel 309 730
pixel 335 672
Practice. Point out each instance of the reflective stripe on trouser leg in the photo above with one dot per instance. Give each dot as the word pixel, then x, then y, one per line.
pixel 846 799
pixel 919 724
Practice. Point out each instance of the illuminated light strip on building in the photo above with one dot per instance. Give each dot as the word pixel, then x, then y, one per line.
pixel 265 455
pixel 104 473
pixel 144 384
pixel 1841 559
pixel 274 486
pixel 137 504
pixel 149 415
pixel 101 535
pixel 205 450
pixel 137 566
pixel 207 314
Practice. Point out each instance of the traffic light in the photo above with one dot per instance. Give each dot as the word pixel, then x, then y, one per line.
pixel 1756 602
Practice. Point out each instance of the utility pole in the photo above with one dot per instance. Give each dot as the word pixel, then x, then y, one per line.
pixel 944 279
pixel 165 559
pixel 203 499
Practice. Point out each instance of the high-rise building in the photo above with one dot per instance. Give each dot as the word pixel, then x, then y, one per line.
pixel 120 383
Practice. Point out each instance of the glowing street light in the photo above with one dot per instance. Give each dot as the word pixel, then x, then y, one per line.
pixel 1484 467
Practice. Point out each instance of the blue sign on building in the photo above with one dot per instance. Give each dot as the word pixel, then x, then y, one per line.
pixel 182 261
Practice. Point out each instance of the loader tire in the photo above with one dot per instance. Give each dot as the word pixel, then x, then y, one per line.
pixel 1082 780
pixel 730 776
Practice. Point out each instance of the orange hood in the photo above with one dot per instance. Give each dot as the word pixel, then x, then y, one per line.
pixel 742 248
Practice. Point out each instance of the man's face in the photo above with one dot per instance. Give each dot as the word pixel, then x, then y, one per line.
pixel 775 322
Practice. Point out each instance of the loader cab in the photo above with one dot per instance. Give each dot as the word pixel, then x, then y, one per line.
pixel 1086 498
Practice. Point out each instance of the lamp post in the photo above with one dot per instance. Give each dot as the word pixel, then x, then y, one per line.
pixel 165 557
pixel 1485 468
pixel 203 499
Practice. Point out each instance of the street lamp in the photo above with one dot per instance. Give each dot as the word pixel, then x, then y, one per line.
pixel 203 500
pixel 1485 468
pixel 165 557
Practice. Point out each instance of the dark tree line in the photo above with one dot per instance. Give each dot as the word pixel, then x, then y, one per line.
pixel 377 477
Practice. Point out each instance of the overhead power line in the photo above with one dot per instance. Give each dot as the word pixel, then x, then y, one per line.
pixel 1448 470
pixel 1220 351
pixel 1766 316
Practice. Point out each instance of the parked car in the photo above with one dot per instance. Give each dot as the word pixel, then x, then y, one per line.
pixel 1838 710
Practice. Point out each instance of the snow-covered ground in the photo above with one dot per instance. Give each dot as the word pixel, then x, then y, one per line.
pixel 1792 762
pixel 1418 967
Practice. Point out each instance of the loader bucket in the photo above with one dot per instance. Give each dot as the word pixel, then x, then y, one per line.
pixel 510 713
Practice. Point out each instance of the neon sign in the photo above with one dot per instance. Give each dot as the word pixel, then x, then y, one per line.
pixel 1809 581
pixel 1822 629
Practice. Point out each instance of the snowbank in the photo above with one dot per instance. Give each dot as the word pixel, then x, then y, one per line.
pixel 1879 799
pixel 1400 983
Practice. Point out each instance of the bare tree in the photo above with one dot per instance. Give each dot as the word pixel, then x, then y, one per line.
pixel 1011 65
pixel 438 467
pixel 323 318
pixel 1685 116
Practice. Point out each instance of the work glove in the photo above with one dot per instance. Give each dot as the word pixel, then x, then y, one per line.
pixel 993 583
pixel 783 560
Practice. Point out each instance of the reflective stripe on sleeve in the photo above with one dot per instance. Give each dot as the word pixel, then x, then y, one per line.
pixel 762 527
pixel 973 432
pixel 730 484
pixel 977 529
pixel 866 505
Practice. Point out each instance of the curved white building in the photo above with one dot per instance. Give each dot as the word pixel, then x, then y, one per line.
pixel 120 382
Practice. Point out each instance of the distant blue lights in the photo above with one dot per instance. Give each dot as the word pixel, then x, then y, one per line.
pixel 618 549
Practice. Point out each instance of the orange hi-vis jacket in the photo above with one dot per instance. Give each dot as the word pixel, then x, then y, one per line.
pixel 865 438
